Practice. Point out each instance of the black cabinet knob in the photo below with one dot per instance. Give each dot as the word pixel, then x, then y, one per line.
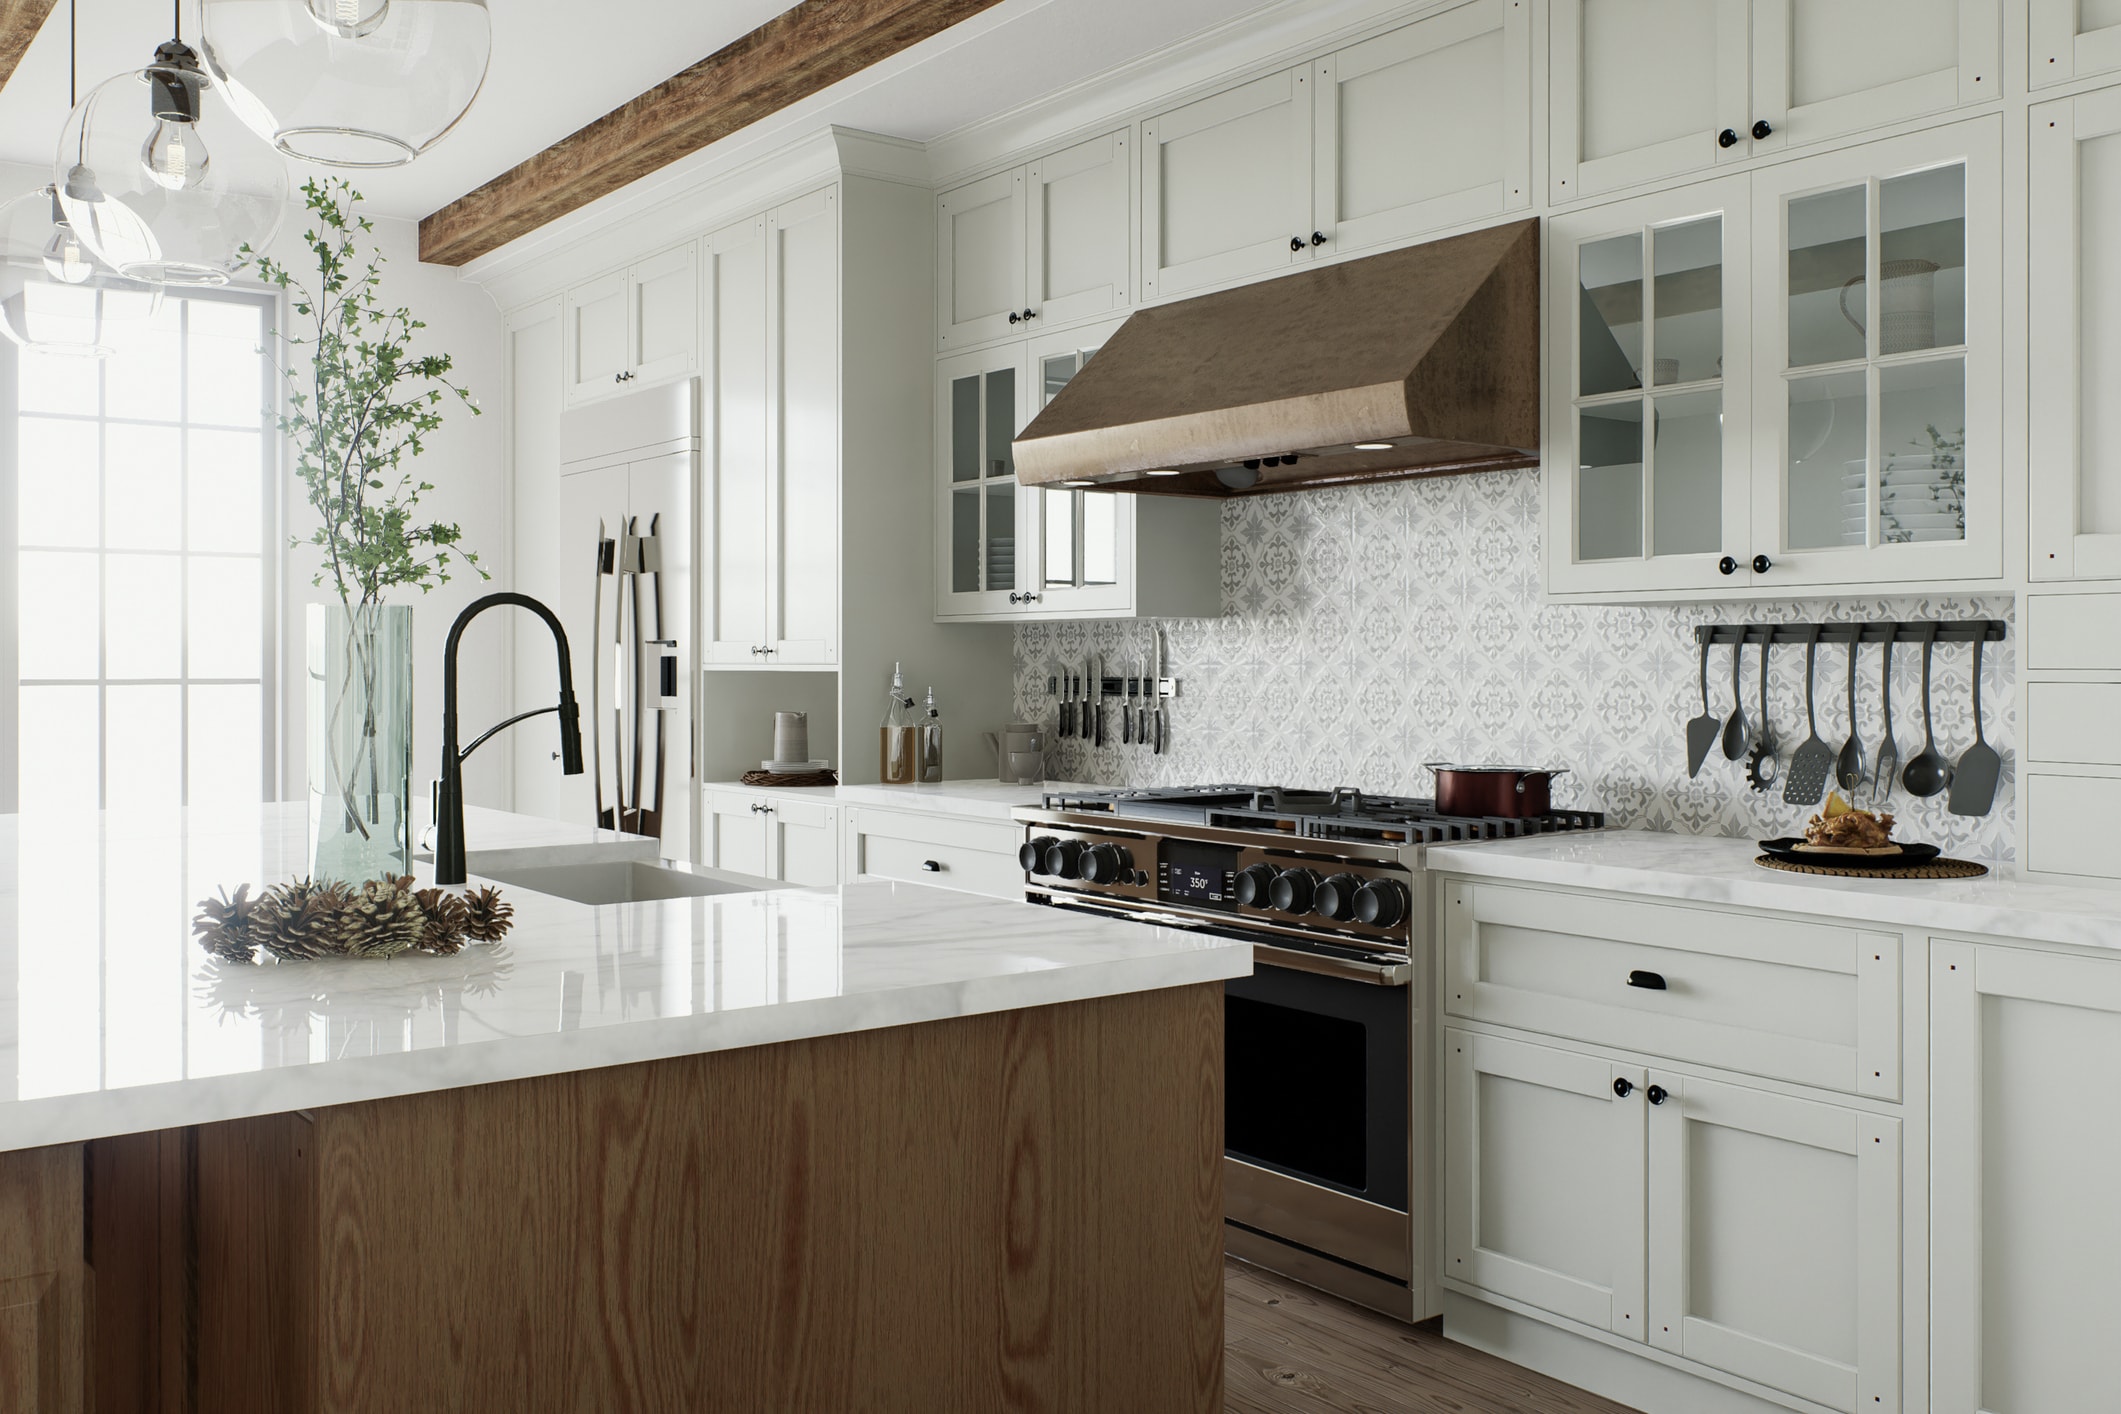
pixel 1727 138
pixel 1293 890
pixel 931 866
pixel 1015 318
pixel 1761 128
pixel 1032 856
pixel 1623 1087
pixel 1029 315
pixel 1727 565
pixel 1762 564
pixel 1318 238
pixel 1296 242
pixel 1336 897
pixel 1657 1094
pixel 1253 884
pixel 1106 864
pixel 1381 903
pixel 1649 981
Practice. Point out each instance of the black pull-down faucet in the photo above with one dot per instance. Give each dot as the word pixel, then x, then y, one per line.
pixel 449 807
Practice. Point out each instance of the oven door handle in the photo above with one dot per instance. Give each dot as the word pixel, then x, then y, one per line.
pixel 1377 974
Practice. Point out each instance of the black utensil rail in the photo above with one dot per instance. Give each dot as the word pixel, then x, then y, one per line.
pixel 1872 631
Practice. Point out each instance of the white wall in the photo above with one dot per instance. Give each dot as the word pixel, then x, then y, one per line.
pixel 464 461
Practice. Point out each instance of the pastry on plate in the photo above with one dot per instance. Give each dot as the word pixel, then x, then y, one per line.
pixel 1841 828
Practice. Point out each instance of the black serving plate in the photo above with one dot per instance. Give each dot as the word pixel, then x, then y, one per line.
pixel 1910 855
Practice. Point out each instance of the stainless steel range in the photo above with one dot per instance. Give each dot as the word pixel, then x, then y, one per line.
pixel 1327 1063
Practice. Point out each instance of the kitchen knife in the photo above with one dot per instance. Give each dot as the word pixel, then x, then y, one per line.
pixel 1126 710
pixel 1156 686
pixel 1067 705
pixel 1097 696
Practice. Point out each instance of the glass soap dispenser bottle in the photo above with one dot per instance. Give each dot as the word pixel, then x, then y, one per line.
pixel 898 747
pixel 931 741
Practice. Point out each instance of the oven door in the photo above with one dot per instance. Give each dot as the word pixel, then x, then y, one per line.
pixel 1317 1065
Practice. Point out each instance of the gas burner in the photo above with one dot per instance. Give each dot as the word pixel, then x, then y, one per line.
pixel 1342 813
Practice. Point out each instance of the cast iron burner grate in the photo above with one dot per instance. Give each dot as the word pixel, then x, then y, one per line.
pixel 1339 814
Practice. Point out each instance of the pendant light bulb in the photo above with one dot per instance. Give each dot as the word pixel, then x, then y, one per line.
pixel 348 19
pixel 174 156
pixel 65 258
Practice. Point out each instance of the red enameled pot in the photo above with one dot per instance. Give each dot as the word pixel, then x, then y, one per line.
pixel 1511 792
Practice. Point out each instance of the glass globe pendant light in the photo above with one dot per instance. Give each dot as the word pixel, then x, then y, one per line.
pixel 157 181
pixel 55 297
pixel 348 83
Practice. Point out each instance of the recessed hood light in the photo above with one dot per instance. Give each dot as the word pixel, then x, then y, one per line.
pixel 1373 446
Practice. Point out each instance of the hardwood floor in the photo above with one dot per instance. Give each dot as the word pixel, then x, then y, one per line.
pixel 1290 1350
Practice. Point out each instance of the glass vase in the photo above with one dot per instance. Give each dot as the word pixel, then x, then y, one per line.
pixel 360 741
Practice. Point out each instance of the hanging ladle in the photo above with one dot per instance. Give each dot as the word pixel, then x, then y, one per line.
pixel 1929 773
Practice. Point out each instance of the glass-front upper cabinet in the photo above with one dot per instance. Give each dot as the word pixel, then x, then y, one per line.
pixel 1648 377
pixel 1081 533
pixel 983 512
pixel 1879 365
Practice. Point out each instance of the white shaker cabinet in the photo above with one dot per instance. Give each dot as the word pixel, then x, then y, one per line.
pixel 1787 378
pixel 1647 90
pixel 2026 1141
pixel 2072 39
pixel 2075 337
pixel 634 327
pixel 1047 243
pixel 772 835
pixel 770 512
pixel 1009 552
pixel 1226 186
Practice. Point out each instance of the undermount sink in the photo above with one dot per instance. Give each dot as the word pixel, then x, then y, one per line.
pixel 621 880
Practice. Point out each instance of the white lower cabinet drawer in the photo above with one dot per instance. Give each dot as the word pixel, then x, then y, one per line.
pixel 1803 1002
pixel 977 856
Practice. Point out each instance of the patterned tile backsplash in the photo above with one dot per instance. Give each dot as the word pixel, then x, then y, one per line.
pixel 1374 628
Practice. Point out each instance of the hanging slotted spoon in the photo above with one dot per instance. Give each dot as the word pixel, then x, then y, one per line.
pixel 1806 784
pixel 1974 779
pixel 1848 768
pixel 1701 731
pixel 1929 773
pixel 1887 766
pixel 1735 735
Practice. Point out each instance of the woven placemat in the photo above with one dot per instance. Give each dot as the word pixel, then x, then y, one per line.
pixel 775 778
pixel 1935 869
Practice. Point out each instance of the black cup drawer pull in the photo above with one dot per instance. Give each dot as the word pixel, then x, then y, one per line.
pixel 932 866
pixel 1651 981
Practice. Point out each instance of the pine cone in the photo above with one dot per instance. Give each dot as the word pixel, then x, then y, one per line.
pixel 304 919
pixel 228 927
pixel 488 917
pixel 385 918
pixel 446 916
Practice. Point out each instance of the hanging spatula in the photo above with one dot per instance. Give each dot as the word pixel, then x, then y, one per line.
pixel 1886 769
pixel 1815 759
pixel 1974 778
pixel 1702 731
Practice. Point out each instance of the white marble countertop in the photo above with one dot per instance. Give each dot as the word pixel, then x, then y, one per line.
pixel 1717 870
pixel 113 1021
pixel 976 799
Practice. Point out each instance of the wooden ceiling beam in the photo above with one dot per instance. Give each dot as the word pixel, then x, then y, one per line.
pixel 797 53
pixel 19 22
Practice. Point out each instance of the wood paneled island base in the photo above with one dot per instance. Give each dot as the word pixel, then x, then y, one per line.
pixel 1015 1211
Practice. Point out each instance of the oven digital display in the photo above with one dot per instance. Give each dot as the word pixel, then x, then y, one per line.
pixel 1194 872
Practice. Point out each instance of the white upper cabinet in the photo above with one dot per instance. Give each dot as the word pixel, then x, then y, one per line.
pixel 1734 82
pixel 1049 242
pixel 1651 309
pixel 633 327
pixel 979 243
pixel 1420 129
pixel 1614 128
pixel 770 508
pixel 2072 39
pixel 2075 337
pixel 1378 173
pixel 1079 231
pixel 1226 185
pixel 1805 390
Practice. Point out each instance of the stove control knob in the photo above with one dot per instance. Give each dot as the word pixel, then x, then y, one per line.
pixel 1253 883
pixel 1032 856
pixel 1336 896
pixel 1294 890
pixel 1381 903
pixel 1107 864
pixel 1064 858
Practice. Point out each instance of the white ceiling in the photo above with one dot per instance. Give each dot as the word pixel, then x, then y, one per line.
pixel 552 73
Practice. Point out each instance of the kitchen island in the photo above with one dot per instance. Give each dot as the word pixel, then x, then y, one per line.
pixel 880 1146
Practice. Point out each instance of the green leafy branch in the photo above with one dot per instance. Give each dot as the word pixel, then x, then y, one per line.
pixel 362 411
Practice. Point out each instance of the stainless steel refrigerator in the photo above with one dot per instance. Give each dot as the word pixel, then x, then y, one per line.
pixel 628 466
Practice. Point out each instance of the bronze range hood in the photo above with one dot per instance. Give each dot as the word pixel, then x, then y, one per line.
pixel 1417 362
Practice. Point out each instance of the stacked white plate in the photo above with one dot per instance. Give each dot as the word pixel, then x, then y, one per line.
pixel 1001 560
pixel 795 768
pixel 1916 501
